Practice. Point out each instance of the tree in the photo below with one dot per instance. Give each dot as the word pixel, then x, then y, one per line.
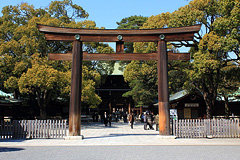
pixel 142 76
pixel 229 83
pixel 211 50
pixel 40 80
pixel 20 40
pixel 143 81
pixel 220 19
pixel 132 22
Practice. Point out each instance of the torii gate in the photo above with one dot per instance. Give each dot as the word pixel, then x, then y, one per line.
pixel 78 36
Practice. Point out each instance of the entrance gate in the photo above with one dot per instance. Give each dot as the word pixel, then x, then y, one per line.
pixel 78 36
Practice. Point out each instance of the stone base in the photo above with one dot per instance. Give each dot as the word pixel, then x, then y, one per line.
pixel 166 137
pixel 210 137
pixel 74 137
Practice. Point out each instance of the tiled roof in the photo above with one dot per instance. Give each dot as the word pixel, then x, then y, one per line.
pixel 3 94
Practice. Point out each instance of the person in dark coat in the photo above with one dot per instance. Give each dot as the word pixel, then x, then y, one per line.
pixel 149 121
pixel 105 118
pixel 131 119
pixel 110 119
pixel 152 119
pixel 96 116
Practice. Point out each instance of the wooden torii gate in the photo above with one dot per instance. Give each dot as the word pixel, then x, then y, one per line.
pixel 78 36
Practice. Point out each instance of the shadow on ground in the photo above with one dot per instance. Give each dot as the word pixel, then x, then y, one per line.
pixel 10 149
pixel 119 135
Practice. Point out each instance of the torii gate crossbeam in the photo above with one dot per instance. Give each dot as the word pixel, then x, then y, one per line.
pixel 78 36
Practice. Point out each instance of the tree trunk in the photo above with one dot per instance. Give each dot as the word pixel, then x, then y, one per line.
pixel 15 94
pixel 43 100
pixel 43 113
pixel 226 106
pixel 209 104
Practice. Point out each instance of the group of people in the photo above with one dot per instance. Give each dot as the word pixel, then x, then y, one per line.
pixel 147 118
pixel 107 119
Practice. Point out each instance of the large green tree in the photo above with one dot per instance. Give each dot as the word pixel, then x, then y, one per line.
pixel 218 44
pixel 229 84
pixel 23 51
pixel 213 47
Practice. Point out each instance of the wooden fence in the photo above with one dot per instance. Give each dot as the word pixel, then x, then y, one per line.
pixel 202 128
pixel 22 129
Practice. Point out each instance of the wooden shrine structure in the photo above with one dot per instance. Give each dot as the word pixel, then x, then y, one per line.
pixel 78 36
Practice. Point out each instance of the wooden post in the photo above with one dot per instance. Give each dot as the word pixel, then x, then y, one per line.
pixel 129 107
pixel 163 97
pixel 119 47
pixel 76 88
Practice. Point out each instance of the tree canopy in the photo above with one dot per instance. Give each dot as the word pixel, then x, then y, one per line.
pixel 212 49
pixel 23 62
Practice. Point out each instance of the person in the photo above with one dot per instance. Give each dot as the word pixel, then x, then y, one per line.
pixel 131 119
pixel 157 122
pixel 149 121
pixel 117 115
pixel 152 119
pixel 93 117
pixel 110 119
pixel 145 119
pixel 105 118
pixel 125 117
pixel 142 116
pixel 96 116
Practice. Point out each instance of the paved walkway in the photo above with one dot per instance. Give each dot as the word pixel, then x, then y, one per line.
pixel 118 134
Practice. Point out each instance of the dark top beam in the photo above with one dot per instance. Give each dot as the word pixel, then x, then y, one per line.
pixel 61 30
pixel 110 35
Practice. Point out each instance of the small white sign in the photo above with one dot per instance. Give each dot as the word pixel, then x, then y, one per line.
pixel 173 112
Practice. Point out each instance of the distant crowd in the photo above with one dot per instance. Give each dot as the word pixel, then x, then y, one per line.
pixel 147 118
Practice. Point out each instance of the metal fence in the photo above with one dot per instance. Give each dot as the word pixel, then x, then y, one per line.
pixel 202 128
pixel 22 129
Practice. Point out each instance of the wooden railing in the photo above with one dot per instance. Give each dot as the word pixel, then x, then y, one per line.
pixel 22 129
pixel 206 128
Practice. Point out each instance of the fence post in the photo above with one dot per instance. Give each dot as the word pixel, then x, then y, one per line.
pixel 173 127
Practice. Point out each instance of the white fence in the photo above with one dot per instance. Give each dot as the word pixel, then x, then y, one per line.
pixel 22 129
pixel 202 128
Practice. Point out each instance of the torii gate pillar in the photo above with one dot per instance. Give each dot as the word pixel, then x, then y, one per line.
pixel 76 90
pixel 163 97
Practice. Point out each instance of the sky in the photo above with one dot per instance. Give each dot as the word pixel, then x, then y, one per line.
pixel 107 12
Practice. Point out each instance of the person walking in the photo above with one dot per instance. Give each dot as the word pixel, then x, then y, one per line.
pixel 105 118
pixel 152 119
pixel 145 119
pixel 149 121
pixel 110 119
pixel 131 119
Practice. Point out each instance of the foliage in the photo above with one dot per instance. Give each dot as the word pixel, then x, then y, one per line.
pixel 142 79
pixel 142 76
pixel 211 50
pixel 220 25
pixel 230 84
pixel 23 52
pixel 132 22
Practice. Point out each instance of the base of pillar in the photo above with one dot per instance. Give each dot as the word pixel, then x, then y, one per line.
pixel 166 137
pixel 210 137
pixel 74 137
